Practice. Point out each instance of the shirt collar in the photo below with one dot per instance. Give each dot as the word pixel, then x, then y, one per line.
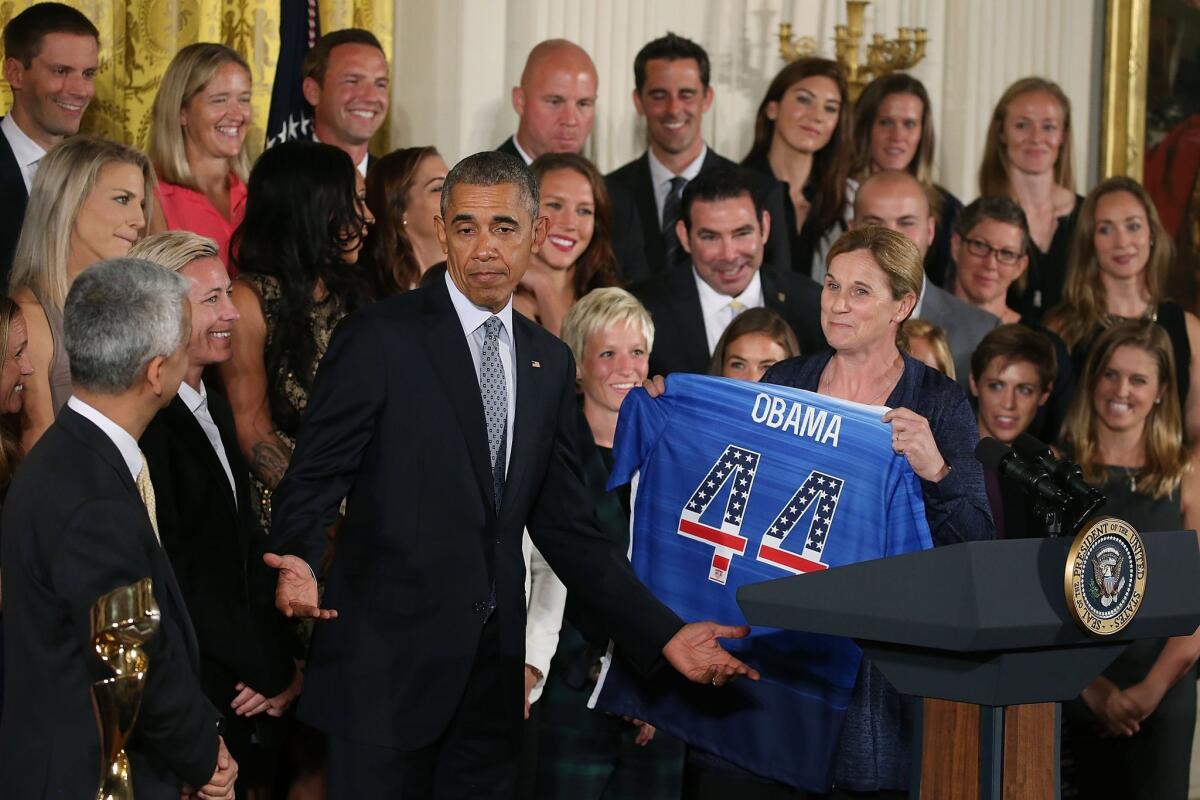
pixel 25 150
pixel 191 398
pixel 712 301
pixel 659 174
pixel 525 156
pixel 120 437
pixel 916 312
pixel 471 316
pixel 361 166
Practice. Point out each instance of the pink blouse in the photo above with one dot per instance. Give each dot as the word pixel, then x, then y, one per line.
pixel 189 210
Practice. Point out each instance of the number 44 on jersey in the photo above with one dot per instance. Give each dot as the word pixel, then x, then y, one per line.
pixel 815 500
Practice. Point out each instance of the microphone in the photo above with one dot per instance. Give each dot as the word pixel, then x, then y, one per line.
pixel 1032 478
pixel 1067 474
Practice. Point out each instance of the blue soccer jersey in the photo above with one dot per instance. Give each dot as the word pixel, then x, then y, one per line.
pixel 739 483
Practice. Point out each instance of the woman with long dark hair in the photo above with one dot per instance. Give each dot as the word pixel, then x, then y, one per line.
pixel 295 253
pixel 893 129
pixel 802 138
pixel 577 255
pixel 404 189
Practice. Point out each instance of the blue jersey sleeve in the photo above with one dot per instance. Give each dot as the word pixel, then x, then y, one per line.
pixel 641 422
pixel 907 528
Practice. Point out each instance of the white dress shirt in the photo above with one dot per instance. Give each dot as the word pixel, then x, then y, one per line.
pixel 27 152
pixel 545 599
pixel 718 308
pixel 126 444
pixel 528 159
pixel 472 317
pixel 197 403
pixel 916 312
pixel 661 177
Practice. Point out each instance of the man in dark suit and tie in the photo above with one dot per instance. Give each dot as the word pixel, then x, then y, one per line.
pixel 207 526
pixel 555 101
pixel 51 54
pixel 672 92
pixel 556 105
pixel 724 229
pixel 448 424
pixel 346 82
pixel 78 523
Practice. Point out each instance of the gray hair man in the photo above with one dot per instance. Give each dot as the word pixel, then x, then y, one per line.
pixel 126 326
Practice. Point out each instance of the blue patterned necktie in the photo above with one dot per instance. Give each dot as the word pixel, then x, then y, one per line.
pixel 494 391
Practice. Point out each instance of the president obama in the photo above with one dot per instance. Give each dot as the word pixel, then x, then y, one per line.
pixel 447 421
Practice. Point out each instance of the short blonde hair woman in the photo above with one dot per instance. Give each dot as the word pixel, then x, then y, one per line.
pixel 89 201
pixel 198 133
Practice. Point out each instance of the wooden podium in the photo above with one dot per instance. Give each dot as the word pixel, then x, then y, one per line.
pixel 985 625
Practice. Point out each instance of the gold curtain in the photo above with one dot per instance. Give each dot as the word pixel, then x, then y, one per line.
pixel 138 38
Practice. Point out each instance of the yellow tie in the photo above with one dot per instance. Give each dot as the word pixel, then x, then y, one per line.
pixel 736 307
pixel 146 490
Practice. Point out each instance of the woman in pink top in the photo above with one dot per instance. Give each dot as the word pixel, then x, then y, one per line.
pixel 198 143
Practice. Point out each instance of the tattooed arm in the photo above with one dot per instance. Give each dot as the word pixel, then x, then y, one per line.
pixel 245 379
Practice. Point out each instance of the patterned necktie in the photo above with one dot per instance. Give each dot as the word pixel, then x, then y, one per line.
pixel 672 211
pixel 146 490
pixel 494 391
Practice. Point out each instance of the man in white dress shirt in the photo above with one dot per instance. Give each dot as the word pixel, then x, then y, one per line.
pixel 51 54
pixel 346 82
pixel 724 230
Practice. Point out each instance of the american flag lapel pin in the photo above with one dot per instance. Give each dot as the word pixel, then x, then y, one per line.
pixel 536 364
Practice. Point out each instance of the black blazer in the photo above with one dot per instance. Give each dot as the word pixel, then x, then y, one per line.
pixel 632 194
pixel 216 547
pixel 74 529
pixel 13 198
pixel 507 146
pixel 680 339
pixel 395 424
pixel 627 246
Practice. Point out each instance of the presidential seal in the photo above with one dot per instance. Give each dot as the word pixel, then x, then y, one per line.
pixel 1105 578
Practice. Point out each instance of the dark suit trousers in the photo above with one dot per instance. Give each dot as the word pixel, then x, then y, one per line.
pixel 476 757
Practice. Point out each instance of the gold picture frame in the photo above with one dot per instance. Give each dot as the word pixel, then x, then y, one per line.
pixel 1123 114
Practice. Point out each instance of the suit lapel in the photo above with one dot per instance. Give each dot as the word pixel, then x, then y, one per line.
pixel 529 390
pixel 643 196
pixel 451 358
pixel 222 415
pixel 773 295
pixel 185 423
pixel 689 316
pixel 85 430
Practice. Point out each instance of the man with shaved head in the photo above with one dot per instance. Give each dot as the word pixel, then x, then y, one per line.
pixel 556 101
pixel 896 200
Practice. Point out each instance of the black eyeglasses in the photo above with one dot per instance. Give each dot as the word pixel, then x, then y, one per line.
pixel 980 248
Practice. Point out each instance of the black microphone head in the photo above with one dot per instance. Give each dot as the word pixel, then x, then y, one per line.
pixel 992 453
pixel 1031 449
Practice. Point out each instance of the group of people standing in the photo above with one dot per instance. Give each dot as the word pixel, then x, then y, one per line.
pixel 330 426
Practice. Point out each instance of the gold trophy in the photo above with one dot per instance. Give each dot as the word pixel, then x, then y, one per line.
pixel 122 621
